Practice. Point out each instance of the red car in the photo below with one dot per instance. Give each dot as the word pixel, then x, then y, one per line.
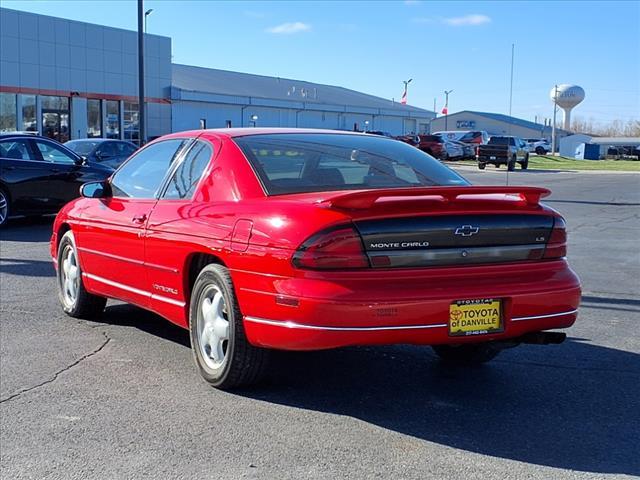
pixel 259 239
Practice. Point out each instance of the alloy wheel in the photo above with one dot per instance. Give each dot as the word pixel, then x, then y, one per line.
pixel 213 327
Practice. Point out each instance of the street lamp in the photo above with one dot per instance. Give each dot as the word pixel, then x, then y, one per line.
pixel 254 119
pixel 366 125
pixel 445 110
pixel 146 14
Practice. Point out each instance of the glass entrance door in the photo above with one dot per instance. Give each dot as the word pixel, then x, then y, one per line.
pixel 55 124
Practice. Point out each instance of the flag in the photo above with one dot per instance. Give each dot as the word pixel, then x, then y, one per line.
pixel 445 110
pixel 403 100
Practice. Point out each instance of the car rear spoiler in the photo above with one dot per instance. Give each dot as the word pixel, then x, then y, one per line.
pixel 363 199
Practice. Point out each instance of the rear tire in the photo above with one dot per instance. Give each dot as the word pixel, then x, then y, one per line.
pixel 482 166
pixel 224 357
pixel 5 208
pixel 467 354
pixel 74 298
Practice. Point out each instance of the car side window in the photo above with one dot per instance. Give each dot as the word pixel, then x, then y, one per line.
pixel 107 150
pixel 53 154
pixel 184 180
pixel 142 175
pixel 125 150
pixel 15 150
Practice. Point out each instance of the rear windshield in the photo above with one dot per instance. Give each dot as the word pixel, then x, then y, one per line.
pixel 311 162
pixel 501 141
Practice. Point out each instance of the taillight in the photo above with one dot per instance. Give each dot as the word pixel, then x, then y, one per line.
pixel 333 249
pixel 557 244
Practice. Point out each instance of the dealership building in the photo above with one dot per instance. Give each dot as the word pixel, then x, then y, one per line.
pixel 494 124
pixel 67 79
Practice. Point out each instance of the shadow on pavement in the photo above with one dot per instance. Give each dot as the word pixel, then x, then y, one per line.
pixel 27 268
pixel 569 406
pixel 553 412
pixel 125 315
pixel 30 229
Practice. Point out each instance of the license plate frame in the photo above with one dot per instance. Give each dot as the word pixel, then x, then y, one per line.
pixel 484 316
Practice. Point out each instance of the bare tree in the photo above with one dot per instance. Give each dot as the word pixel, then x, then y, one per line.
pixel 615 128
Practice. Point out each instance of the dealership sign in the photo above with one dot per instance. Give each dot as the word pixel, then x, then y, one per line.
pixel 466 124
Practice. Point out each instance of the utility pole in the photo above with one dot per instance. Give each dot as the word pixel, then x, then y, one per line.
pixel 553 130
pixel 511 87
pixel 141 120
pixel 446 109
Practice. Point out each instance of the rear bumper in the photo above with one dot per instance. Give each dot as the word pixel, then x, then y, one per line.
pixel 320 313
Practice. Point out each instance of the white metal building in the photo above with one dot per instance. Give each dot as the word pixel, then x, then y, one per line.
pixel 572 145
pixel 222 98
pixel 67 79
pixel 493 124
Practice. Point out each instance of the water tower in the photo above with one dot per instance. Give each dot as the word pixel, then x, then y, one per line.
pixel 567 97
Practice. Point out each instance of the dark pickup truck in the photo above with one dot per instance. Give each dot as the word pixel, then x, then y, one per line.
pixel 503 151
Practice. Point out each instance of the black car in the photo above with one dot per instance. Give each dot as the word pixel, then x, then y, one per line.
pixel 110 153
pixel 39 175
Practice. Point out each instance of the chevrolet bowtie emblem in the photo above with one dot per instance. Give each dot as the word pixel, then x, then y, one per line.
pixel 467 230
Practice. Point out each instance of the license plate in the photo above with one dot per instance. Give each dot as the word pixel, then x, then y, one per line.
pixel 475 317
pixel 492 157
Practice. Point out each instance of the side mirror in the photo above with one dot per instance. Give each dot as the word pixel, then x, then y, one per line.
pixel 95 190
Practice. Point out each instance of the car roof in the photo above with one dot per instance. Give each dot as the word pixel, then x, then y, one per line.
pixel 246 131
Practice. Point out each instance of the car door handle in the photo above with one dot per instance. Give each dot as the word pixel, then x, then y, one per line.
pixel 55 170
pixel 140 218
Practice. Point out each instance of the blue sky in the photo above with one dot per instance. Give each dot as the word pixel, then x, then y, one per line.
pixel 373 46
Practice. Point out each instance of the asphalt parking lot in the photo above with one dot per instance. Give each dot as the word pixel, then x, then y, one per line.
pixel 120 397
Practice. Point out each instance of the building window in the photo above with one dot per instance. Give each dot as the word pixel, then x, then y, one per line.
pixel 130 121
pixel 55 117
pixel 113 119
pixel 94 118
pixel 29 122
pixel 8 112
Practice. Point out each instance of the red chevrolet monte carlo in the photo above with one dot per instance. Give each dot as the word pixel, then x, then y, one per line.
pixel 259 239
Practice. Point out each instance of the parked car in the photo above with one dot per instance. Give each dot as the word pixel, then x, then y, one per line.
pixel 379 132
pixel 411 139
pixel 468 151
pixel 259 239
pixel 438 147
pixel 477 137
pixel 111 153
pixel 540 146
pixel 39 175
pixel 503 150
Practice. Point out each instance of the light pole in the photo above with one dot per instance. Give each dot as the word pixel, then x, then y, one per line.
pixel 146 14
pixel 446 109
pixel 555 111
pixel 254 119
pixel 141 109
pixel 366 125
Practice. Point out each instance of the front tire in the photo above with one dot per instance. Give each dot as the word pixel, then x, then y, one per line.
pixel 76 301
pixel 511 166
pixel 4 208
pixel 541 151
pixel 467 354
pixel 224 357
pixel 525 163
